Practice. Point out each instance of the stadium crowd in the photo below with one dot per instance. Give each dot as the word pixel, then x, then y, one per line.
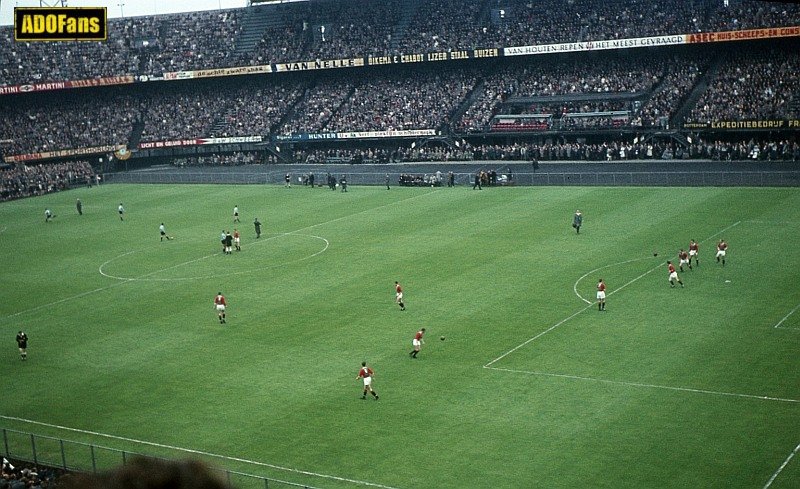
pixel 154 45
pixel 19 475
pixel 750 85
pixel 22 180
pixel 615 150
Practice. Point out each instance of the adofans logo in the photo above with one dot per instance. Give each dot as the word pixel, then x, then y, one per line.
pixel 60 24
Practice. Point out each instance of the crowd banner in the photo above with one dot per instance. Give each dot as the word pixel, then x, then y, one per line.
pixel 439 56
pixel 44 87
pixel 300 137
pixel 63 153
pixel 177 143
pixel 746 124
pixel 435 56
pixel 179 75
pixel 743 35
pixel 318 64
pixel 240 70
pixel 574 47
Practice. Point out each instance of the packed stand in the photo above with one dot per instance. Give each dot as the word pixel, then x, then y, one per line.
pixel 227 159
pixel 312 113
pixel 443 25
pixel 207 40
pixel 750 85
pixel 29 62
pixel 678 83
pixel 194 40
pixel 255 108
pixel 412 100
pixel 578 77
pixel 73 122
pixel 353 28
pixel 750 14
pixel 604 151
pixel 29 180
pixel 174 114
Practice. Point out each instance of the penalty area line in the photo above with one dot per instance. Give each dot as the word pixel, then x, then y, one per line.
pixel 783 465
pixel 787 317
pixel 649 386
pixel 200 452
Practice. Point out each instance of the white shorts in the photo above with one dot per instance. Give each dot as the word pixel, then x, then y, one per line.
pixel 415 342
pixel 236 241
pixel 399 296
pixel 720 253
pixel 673 276
pixel 367 381
pixel 692 252
pixel 601 295
pixel 221 307
pixel 684 262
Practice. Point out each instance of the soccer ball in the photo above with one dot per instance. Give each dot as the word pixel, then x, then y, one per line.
pixel 442 338
pixel 655 253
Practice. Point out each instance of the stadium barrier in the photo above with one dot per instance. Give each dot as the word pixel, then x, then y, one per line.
pixel 766 178
pixel 76 456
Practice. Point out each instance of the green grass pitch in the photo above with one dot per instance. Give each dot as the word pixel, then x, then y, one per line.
pixel 533 387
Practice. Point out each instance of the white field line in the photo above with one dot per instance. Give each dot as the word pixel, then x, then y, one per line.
pixel 787 317
pixel 250 270
pixel 100 289
pixel 200 452
pixel 651 386
pixel 575 287
pixel 783 465
pixel 551 328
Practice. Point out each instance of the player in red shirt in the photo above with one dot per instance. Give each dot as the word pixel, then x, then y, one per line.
pixel 683 259
pixel 673 275
pixel 366 373
pixel 237 242
pixel 219 305
pixel 722 247
pixel 694 252
pixel 417 342
pixel 601 295
pixel 398 296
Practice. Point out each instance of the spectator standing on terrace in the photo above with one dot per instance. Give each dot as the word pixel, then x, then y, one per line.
pixel 577 221
pixel 79 206
pixel 257 225
pixel 366 373
pixel 22 344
